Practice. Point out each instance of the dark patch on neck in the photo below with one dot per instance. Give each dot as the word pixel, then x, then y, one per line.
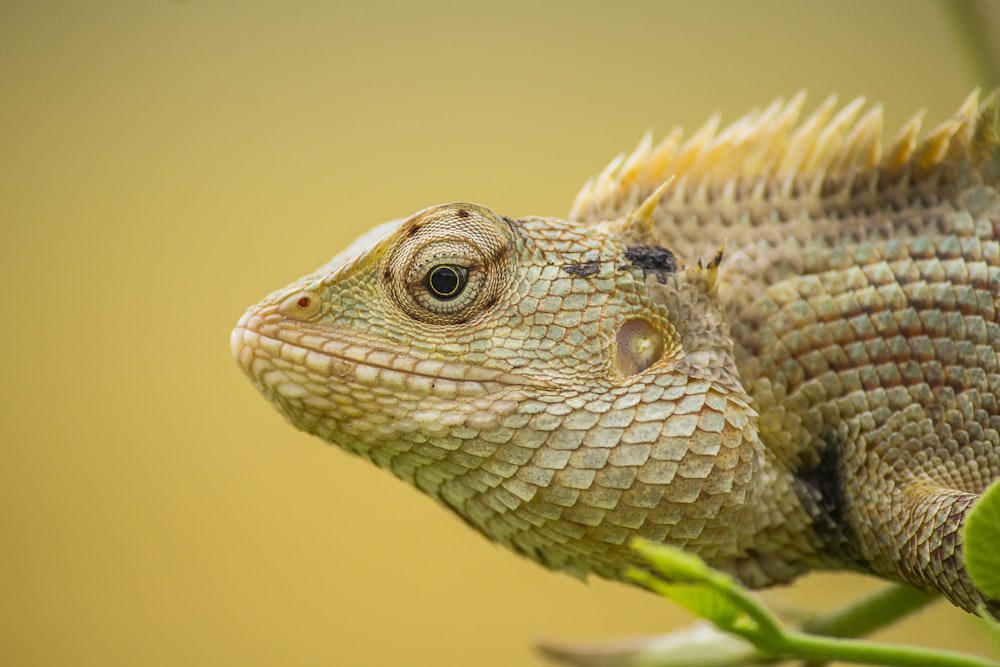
pixel 821 491
pixel 583 269
pixel 652 259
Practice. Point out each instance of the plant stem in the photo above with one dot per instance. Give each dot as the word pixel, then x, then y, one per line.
pixel 812 647
pixel 869 614
pixel 769 637
pixel 975 21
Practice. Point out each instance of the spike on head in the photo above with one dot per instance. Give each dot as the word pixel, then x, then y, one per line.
pixel 639 226
pixel 717 260
pixel 709 273
pixel 642 217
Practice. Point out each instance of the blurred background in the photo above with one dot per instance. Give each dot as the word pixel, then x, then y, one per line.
pixel 163 165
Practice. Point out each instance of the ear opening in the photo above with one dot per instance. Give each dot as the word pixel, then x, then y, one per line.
pixel 638 346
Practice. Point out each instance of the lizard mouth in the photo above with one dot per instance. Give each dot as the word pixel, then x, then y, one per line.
pixel 307 361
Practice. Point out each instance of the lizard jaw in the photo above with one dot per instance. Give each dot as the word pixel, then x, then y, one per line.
pixel 378 403
pixel 311 367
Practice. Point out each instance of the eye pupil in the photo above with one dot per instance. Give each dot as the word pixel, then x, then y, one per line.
pixel 446 282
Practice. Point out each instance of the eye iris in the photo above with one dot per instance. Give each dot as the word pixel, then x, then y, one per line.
pixel 446 282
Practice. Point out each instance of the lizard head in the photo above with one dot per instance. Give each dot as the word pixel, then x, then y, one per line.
pixel 453 303
pixel 474 355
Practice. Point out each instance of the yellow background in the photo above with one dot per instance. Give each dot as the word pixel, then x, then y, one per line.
pixel 165 164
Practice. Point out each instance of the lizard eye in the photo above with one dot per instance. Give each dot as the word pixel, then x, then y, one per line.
pixel 446 281
pixel 449 264
pixel 446 288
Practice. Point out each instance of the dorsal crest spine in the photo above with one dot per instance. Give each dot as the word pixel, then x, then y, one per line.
pixel 770 149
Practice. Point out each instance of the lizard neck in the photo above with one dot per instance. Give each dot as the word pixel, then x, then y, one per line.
pixel 568 479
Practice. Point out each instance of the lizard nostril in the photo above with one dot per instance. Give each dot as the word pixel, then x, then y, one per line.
pixel 300 306
pixel 639 346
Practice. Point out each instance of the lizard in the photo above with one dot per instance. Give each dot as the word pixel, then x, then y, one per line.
pixel 776 346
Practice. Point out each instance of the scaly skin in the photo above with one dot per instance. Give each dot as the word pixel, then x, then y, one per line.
pixel 823 393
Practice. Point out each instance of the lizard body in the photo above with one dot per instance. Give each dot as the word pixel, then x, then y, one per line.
pixel 820 394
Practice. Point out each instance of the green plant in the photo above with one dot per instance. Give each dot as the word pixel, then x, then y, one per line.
pixel 744 632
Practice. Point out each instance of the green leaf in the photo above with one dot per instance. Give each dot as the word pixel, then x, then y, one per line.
pixel 718 597
pixel 697 598
pixel 982 535
pixel 698 646
pixel 671 562
pixel 689 581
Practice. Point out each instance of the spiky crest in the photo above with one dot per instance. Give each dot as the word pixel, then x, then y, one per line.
pixel 770 148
